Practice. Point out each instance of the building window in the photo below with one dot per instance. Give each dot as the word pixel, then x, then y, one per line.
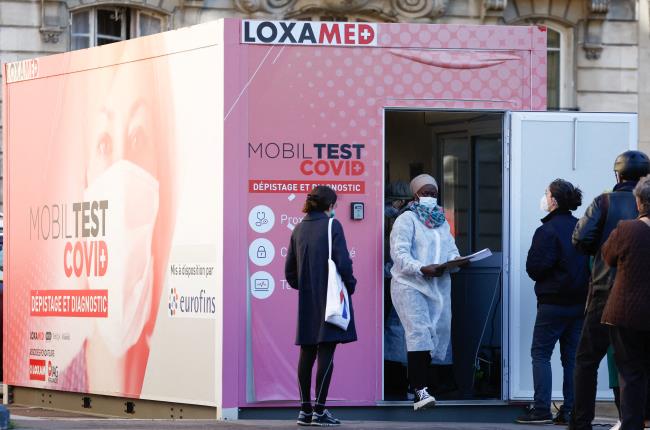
pixel 554 70
pixel 103 25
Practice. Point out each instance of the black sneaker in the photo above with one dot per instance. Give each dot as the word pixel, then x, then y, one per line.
pixel 562 417
pixel 324 420
pixel 534 416
pixel 304 419
pixel 423 400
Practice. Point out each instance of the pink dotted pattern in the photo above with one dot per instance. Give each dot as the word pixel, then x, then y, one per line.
pixel 338 95
pixel 450 36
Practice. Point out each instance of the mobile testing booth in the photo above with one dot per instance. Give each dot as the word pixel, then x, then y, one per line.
pixel 151 187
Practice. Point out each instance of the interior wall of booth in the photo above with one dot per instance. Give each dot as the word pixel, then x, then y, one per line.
pixel 409 155
pixel 463 150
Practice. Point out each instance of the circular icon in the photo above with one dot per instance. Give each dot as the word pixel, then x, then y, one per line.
pixel 261 218
pixel 261 252
pixel 262 285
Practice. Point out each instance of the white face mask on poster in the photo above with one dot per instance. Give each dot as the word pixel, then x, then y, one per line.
pixel 132 195
pixel 428 202
pixel 543 204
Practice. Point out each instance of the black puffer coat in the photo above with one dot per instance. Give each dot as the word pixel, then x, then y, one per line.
pixel 593 229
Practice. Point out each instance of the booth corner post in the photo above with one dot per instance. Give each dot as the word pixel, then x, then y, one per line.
pixel 228 414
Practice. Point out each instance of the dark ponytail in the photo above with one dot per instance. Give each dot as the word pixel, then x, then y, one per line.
pixel 319 199
pixel 567 196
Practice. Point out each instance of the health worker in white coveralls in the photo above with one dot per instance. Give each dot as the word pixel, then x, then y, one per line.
pixel 420 242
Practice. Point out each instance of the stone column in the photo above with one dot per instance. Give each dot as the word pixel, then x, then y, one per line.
pixel 644 71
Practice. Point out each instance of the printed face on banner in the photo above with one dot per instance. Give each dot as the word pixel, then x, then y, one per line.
pixel 126 146
pixel 96 208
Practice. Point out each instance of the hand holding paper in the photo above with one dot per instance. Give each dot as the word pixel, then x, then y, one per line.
pixel 464 261
pixel 433 270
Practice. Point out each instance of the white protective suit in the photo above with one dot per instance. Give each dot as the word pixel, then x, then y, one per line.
pixel 423 304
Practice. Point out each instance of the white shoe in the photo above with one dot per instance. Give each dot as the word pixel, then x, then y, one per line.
pixel 423 400
pixel 617 426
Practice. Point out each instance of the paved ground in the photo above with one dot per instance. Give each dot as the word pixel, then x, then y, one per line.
pixel 119 424
pixel 52 424
pixel 28 418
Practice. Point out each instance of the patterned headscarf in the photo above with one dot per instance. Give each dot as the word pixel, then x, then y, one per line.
pixel 430 217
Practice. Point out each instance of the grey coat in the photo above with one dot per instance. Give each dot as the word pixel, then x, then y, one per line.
pixel 306 271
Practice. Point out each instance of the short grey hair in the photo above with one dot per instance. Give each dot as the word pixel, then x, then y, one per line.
pixel 642 192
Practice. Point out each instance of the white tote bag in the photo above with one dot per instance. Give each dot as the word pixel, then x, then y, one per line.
pixel 337 309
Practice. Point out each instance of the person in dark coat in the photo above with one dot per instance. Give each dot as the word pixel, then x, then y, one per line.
pixel 561 276
pixel 306 270
pixel 591 232
pixel 627 312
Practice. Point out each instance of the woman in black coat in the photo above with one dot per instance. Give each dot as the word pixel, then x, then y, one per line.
pixel 306 270
pixel 561 277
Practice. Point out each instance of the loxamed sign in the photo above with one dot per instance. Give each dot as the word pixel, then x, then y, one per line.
pixel 309 33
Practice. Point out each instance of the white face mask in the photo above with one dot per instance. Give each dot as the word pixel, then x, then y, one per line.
pixel 132 195
pixel 428 202
pixel 543 204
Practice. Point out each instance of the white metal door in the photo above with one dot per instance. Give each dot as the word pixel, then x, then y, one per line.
pixel 578 147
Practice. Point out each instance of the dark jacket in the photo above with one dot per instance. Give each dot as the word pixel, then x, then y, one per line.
pixel 560 272
pixel 628 249
pixel 306 271
pixel 594 228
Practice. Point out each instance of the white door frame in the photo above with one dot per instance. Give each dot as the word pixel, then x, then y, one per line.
pixel 512 163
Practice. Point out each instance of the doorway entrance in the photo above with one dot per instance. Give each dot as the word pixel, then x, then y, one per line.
pixel 464 152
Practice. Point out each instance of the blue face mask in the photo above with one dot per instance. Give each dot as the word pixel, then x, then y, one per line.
pixel 332 213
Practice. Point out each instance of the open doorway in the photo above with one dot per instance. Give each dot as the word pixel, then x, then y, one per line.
pixel 464 152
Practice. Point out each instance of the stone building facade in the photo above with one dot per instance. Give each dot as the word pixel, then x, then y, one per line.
pixel 599 50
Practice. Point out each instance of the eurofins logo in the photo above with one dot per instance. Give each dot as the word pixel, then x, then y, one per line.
pixel 191 303
pixel 173 302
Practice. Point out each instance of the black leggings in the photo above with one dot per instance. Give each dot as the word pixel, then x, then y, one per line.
pixel 418 368
pixel 308 354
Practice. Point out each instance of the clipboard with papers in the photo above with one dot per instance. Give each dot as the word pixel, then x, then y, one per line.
pixel 477 256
